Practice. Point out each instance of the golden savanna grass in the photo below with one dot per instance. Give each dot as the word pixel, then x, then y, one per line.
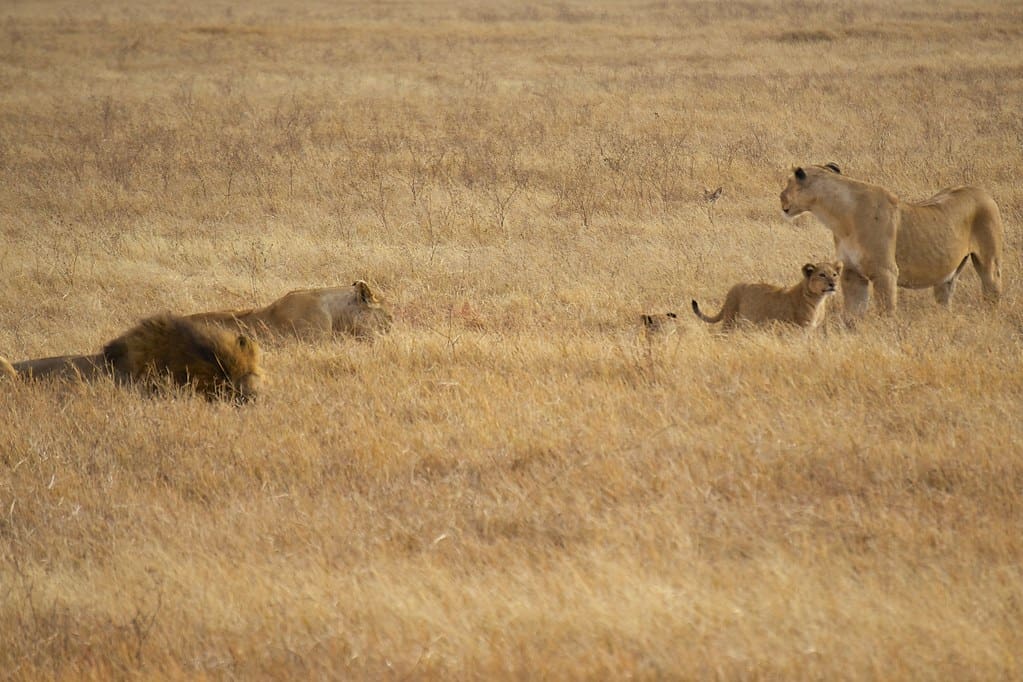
pixel 516 483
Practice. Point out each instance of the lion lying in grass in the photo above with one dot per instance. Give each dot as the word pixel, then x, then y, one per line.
pixel 887 242
pixel 802 304
pixel 310 314
pixel 214 362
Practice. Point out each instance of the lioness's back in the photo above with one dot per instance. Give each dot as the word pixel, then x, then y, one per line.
pixel 312 313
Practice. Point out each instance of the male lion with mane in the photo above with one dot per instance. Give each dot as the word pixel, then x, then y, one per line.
pixel 310 314
pixel 888 242
pixel 215 363
pixel 802 304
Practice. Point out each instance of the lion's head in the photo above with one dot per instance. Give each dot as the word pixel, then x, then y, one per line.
pixel 798 196
pixel 821 279
pixel 658 323
pixel 215 362
pixel 366 316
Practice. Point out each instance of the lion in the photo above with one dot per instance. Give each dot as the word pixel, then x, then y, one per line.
pixel 7 369
pixel 802 304
pixel 310 313
pixel 890 243
pixel 212 361
pixel 656 324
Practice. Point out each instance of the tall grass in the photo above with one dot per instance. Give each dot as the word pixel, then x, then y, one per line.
pixel 516 482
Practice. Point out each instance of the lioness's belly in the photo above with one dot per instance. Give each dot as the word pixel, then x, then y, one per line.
pixel 927 267
pixel 910 278
pixel 929 248
pixel 920 266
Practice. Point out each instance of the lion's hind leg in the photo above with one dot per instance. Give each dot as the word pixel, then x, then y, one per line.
pixel 943 292
pixel 731 310
pixel 990 272
pixel 986 251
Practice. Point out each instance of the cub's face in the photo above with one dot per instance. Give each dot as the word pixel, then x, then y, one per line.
pixel 822 278
pixel 658 323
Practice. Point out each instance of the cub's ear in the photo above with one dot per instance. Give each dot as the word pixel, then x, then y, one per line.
pixel 838 266
pixel 800 174
pixel 833 168
pixel 809 269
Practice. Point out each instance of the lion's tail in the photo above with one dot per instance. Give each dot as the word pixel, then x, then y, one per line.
pixel 705 318
pixel 7 369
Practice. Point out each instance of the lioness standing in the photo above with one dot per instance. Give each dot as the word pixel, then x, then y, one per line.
pixel 888 243
pixel 800 304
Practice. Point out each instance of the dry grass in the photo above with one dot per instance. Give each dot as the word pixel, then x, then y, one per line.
pixel 515 483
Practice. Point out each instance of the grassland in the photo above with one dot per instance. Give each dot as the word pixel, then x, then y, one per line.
pixel 515 483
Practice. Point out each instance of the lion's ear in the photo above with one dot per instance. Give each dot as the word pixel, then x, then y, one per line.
pixel 243 341
pixel 365 293
pixel 809 269
pixel 833 167
pixel 838 266
pixel 800 174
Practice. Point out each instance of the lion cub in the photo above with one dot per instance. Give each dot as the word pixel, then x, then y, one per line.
pixel 658 324
pixel 800 304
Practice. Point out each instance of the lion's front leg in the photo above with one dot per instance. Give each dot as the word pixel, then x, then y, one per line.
pixel 855 292
pixel 886 288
